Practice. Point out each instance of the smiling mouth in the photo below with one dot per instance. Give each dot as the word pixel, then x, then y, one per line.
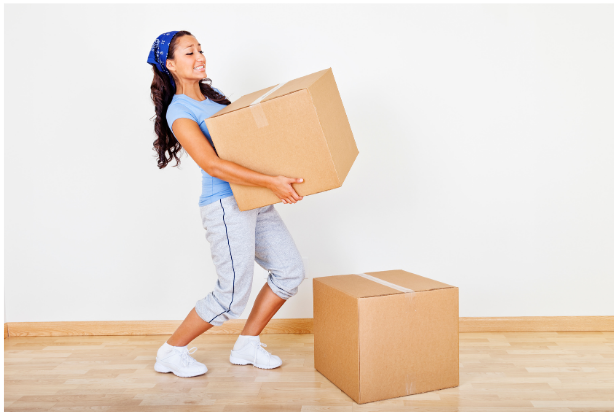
pixel 200 68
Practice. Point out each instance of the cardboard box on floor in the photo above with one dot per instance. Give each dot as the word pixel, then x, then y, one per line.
pixel 297 129
pixel 382 335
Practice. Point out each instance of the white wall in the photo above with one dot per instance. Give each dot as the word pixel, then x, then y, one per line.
pixel 485 135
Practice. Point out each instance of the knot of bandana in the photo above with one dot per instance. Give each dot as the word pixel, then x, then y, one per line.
pixel 159 52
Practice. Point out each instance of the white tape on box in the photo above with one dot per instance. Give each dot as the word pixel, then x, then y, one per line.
pixel 410 388
pixel 267 94
pixel 385 283
pixel 409 384
pixel 256 109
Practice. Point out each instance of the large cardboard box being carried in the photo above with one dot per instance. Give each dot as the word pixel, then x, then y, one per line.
pixel 295 129
pixel 382 335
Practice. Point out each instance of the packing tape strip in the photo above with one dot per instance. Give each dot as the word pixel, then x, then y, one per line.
pixel 264 96
pixel 258 112
pixel 385 283
pixel 409 384
pixel 259 116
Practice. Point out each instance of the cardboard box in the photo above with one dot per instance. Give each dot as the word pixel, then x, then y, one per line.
pixel 387 334
pixel 296 129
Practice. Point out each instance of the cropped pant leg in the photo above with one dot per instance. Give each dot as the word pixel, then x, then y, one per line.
pixel 237 238
pixel 277 253
pixel 231 236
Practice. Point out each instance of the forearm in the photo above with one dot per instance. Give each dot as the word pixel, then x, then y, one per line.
pixel 235 173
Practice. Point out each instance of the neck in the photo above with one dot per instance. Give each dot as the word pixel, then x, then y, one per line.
pixel 191 90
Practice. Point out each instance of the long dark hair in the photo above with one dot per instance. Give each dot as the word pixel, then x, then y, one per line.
pixel 162 92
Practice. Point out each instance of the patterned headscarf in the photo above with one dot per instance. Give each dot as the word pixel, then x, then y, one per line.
pixel 159 51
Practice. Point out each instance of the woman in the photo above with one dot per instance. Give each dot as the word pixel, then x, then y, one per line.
pixel 183 99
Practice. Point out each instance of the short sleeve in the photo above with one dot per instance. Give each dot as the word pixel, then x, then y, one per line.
pixel 176 111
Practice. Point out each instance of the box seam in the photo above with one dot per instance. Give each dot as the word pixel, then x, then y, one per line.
pixel 213 116
pixel 398 293
pixel 387 294
pixel 282 95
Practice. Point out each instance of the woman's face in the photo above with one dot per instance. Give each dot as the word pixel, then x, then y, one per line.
pixel 189 62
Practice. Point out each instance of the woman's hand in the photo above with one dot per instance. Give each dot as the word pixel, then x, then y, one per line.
pixel 282 187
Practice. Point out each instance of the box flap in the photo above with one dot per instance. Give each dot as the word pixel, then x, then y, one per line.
pixel 287 88
pixel 360 287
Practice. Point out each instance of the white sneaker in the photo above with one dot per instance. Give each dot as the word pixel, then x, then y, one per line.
pixel 254 353
pixel 179 361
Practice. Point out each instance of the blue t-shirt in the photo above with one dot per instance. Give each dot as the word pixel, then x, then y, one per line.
pixel 183 106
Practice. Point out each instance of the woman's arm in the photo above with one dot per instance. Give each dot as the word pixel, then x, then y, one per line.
pixel 194 142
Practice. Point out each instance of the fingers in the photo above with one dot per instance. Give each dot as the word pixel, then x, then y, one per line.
pixel 293 197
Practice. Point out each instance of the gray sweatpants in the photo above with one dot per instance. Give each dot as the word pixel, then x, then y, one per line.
pixel 237 238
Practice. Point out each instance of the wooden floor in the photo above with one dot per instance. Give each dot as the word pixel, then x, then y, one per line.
pixel 504 371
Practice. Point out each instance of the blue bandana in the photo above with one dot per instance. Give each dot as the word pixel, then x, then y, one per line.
pixel 159 51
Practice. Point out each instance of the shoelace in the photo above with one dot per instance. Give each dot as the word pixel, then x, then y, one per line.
pixel 260 349
pixel 186 359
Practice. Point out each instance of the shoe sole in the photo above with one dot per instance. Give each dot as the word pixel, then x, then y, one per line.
pixel 159 367
pixel 239 361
